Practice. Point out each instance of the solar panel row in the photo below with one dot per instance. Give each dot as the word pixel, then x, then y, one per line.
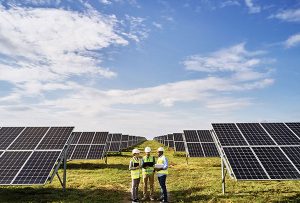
pixel 261 151
pixel 29 154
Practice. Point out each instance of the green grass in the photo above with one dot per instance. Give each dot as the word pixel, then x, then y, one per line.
pixel 199 181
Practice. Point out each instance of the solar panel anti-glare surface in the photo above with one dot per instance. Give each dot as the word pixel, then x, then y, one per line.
pixel 228 134
pixel 37 168
pixel 244 164
pixel 210 149
pixel 191 136
pixel 195 150
pixel 204 136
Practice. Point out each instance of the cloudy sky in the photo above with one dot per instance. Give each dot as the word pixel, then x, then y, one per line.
pixel 148 67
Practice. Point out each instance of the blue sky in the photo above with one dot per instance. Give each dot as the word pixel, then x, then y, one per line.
pixel 148 67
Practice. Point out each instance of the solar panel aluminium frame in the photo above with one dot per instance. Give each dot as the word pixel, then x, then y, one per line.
pixel 62 158
pixel 225 162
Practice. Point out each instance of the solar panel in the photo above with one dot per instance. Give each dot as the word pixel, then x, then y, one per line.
pixel 124 145
pixel 80 152
pixel 29 138
pixel 55 138
pixel 76 137
pixel 125 137
pixel 244 164
pixel 210 149
pixel 191 136
pixel 228 134
pixel 255 134
pixel 205 136
pixel 116 137
pixel 96 152
pixel 70 151
pixel 295 127
pixel 11 163
pixel 171 144
pixel 195 150
pixel 170 137
pixel 37 168
pixel 86 138
pixel 8 134
pixel 179 146
pixel 100 138
pixel 281 134
pixel 177 136
pixel 31 153
pixel 276 163
pixel 114 147
pixel 294 155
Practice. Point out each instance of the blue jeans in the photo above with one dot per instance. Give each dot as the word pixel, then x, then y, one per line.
pixel 162 183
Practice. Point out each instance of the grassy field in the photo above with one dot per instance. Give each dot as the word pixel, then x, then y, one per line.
pixel 199 181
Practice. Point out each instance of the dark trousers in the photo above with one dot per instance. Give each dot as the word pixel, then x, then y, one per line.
pixel 162 183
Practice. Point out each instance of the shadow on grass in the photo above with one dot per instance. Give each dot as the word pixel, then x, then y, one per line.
pixel 294 198
pixel 188 195
pixel 95 166
pixel 29 194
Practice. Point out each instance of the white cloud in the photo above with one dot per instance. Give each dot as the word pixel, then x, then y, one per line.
pixel 157 25
pixel 232 59
pixel 107 2
pixel 229 3
pixel 293 40
pixel 291 15
pixel 252 8
pixel 137 29
pixel 53 44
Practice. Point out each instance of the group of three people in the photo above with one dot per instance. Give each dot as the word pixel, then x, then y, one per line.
pixel 145 168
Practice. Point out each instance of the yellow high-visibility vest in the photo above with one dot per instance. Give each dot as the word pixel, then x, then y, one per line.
pixel 160 160
pixel 149 170
pixel 136 173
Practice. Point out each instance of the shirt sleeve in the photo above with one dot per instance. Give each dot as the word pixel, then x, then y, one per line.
pixel 166 164
pixel 131 165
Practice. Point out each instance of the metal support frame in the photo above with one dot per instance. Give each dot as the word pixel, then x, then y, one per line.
pixel 62 181
pixel 224 172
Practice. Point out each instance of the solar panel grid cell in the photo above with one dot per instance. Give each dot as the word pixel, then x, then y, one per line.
pixel 210 149
pixel 11 163
pixel 179 146
pixel 244 164
pixel 195 150
pixel 281 134
pixel 204 136
pixel 295 127
pixel 228 134
pixel 191 136
pixel 37 168
pixel 100 138
pixel 76 137
pixel 96 152
pixel 294 155
pixel 276 163
pixel 80 152
pixel 55 138
pixel 86 138
pixel 177 136
pixel 29 138
pixel 8 134
pixel 255 134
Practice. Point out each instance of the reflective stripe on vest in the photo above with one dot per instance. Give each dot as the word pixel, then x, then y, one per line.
pixel 161 160
pixel 148 170
pixel 135 174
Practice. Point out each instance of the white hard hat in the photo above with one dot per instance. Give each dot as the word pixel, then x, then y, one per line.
pixel 161 149
pixel 147 149
pixel 135 151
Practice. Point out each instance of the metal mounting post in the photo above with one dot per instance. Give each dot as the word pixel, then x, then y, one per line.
pixel 223 176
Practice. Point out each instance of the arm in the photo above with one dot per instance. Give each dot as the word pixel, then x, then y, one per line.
pixel 166 164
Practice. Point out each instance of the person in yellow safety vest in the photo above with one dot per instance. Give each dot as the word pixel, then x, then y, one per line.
pixel 162 173
pixel 148 173
pixel 135 166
